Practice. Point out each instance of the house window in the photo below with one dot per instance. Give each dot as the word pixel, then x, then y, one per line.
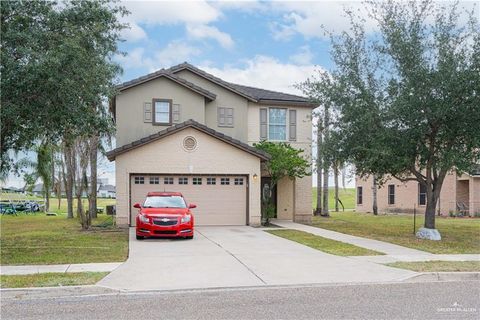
pixel 183 180
pixel 277 124
pixel 422 194
pixel 238 181
pixel 211 181
pixel 168 180
pixel 225 117
pixel 359 195
pixel 197 181
pixel 162 111
pixel 225 181
pixel 154 180
pixel 139 180
pixel 391 194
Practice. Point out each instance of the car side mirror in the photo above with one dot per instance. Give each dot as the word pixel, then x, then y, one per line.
pixel 137 205
pixel 192 206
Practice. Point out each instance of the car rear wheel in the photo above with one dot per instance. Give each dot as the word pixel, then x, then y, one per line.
pixel 140 237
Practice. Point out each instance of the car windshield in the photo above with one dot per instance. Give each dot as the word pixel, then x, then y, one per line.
pixel 164 202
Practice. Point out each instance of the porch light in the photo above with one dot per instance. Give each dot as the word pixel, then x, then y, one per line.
pixel 255 177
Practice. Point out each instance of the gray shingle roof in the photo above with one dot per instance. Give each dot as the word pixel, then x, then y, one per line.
pixel 171 76
pixel 184 125
pixel 251 93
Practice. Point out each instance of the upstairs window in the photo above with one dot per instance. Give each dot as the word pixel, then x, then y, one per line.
pixel 277 124
pixel 162 111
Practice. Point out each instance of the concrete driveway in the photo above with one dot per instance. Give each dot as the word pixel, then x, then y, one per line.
pixel 235 257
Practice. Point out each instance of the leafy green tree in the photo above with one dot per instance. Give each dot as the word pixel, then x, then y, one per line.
pixel 57 75
pixel 408 95
pixel 286 161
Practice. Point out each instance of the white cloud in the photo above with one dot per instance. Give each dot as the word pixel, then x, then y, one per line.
pixel 206 32
pixel 303 57
pixel 197 17
pixel 172 12
pixel 265 72
pixel 134 33
pixel 173 53
pixel 309 18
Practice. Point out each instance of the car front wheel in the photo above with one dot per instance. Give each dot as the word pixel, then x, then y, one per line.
pixel 140 237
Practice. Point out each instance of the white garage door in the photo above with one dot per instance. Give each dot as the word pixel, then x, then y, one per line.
pixel 220 200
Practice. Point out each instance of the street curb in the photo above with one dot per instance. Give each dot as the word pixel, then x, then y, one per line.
pixel 444 276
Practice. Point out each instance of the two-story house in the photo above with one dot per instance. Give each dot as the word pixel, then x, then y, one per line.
pixel 182 129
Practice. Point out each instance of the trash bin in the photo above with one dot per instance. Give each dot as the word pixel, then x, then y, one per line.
pixel 111 210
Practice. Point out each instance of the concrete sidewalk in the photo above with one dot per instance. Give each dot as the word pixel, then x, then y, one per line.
pixel 393 252
pixel 59 268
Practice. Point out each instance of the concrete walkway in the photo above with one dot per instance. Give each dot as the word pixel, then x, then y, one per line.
pixel 61 268
pixel 393 252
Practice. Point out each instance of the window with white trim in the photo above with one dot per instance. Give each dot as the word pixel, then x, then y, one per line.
pixel 162 111
pixel 225 181
pixel 168 180
pixel 197 181
pixel 139 180
pixel 238 181
pixel 391 194
pixel 277 124
pixel 211 181
pixel 183 180
pixel 422 194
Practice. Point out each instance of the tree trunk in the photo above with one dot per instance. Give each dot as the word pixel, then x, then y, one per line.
pixel 69 177
pixel 325 190
pixel 318 209
pixel 335 173
pixel 92 194
pixel 344 173
pixel 374 195
pixel 326 164
pixel 433 193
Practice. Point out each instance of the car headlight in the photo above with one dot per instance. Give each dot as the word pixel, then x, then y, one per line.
pixel 186 218
pixel 144 218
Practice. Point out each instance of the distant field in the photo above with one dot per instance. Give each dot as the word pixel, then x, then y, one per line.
pixel 54 207
pixel 347 196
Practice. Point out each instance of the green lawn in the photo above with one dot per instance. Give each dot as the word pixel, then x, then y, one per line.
pixel 439 266
pixel 458 235
pixel 52 279
pixel 347 196
pixel 40 239
pixel 323 244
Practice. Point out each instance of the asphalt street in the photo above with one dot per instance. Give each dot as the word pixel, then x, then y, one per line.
pixel 424 300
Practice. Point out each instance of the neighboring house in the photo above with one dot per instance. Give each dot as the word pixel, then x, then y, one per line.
pixel 182 129
pixel 106 191
pixel 460 193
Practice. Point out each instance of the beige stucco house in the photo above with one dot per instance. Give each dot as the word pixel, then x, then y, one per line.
pixel 182 129
pixel 460 193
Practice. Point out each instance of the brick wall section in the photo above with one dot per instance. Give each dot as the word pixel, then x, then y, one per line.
pixel 406 195
pixel 475 195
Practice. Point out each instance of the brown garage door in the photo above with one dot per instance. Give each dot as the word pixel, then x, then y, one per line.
pixel 220 200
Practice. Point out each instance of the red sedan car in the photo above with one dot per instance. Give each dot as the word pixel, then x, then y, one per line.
pixel 164 214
